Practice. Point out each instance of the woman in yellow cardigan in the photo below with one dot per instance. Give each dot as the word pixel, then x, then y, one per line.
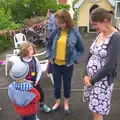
pixel 63 49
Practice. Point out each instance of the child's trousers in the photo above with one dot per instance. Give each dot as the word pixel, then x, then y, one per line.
pixel 39 89
pixel 30 117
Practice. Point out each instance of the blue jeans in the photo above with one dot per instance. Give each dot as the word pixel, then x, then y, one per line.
pixel 30 117
pixel 60 73
pixel 49 31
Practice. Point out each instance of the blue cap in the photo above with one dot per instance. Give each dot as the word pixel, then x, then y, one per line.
pixel 19 70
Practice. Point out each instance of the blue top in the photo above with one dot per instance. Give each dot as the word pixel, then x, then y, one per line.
pixel 19 95
pixel 51 22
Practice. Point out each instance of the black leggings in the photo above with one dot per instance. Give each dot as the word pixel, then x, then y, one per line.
pixel 30 117
pixel 40 90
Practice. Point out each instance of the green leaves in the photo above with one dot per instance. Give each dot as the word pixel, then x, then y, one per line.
pixel 22 9
pixel 5 43
pixel 6 20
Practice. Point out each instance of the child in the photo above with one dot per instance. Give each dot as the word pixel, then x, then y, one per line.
pixel 23 95
pixel 27 50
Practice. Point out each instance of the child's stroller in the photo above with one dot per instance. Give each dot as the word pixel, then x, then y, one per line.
pixel 37 35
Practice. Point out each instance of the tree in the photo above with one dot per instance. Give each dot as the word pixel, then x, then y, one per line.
pixel 22 9
pixel 6 4
pixel 6 20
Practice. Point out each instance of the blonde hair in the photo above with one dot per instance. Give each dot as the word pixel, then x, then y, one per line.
pixel 65 17
pixel 24 48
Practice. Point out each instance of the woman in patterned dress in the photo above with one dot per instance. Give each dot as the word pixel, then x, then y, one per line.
pixel 101 64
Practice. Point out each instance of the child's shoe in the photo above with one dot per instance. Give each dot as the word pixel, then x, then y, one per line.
pixel 66 112
pixel 45 108
pixel 36 117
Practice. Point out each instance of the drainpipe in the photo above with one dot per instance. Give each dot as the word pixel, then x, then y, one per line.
pixel 117 12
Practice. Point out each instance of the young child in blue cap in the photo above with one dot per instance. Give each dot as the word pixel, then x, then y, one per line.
pixel 23 95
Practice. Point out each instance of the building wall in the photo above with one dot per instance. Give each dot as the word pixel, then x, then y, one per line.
pixel 71 9
pixel 83 15
pixel 70 3
pixel 63 1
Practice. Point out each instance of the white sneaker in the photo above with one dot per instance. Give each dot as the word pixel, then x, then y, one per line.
pixel 36 117
pixel 45 108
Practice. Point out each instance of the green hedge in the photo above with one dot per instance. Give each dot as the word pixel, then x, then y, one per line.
pixel 6 24
pixel 6 20
pixel 6 43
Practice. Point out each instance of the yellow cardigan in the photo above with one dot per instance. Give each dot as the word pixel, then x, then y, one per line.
pixel 61 49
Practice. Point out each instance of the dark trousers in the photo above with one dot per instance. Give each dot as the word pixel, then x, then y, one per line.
pixel 60 73
pixel 30 117
pixel 40 90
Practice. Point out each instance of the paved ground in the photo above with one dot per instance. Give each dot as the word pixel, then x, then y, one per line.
pixel 79 109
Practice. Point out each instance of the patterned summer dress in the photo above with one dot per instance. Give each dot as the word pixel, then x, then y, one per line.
pixel 99 95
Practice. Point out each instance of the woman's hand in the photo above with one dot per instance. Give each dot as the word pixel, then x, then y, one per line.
pixel 87 81
pixel 50 60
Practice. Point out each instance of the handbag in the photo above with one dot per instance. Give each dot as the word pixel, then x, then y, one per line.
pixel 49 68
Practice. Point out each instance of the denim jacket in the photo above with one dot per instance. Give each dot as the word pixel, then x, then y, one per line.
pixel 74 46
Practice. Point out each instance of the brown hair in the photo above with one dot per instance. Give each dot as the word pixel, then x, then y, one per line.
pixel 111 12
pixel 99 14
pixel 65 17
pixel 23 48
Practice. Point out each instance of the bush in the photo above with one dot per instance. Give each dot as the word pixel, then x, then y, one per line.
pixel 25 9
pixel 6 20
pixel 6 23
pixel 34 20
pixel 6 42
pixel 62 6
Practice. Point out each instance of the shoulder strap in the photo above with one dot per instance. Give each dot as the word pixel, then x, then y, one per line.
pixel 34 62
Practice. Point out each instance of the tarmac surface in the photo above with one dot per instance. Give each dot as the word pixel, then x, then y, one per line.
pixel 79 109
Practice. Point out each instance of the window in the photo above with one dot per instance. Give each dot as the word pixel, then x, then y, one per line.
pixel 94 0
pixel 117 10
